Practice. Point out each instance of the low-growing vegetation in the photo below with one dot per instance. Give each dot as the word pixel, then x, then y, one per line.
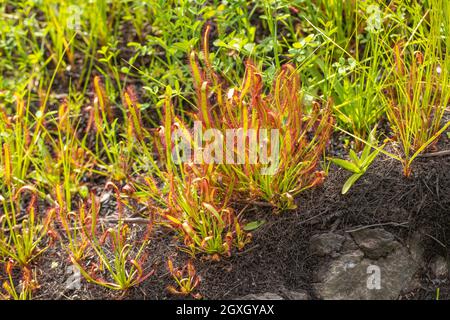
pixel 126 125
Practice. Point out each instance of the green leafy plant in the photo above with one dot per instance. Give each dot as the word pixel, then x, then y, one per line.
pixel 356 93
pixel 352 63
pixel 358 165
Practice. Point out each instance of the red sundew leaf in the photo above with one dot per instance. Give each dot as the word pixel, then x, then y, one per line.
pixel 173 220
pixel 9 267
pixel 204 105
pixel 419 57
pixel 172 290
pixel 91 119
pixel 188 229
pixel 103 102
pixel 170 266
pixel 196 71
pixel 145 277
pixel 138 268
pixel 215 257
pixel 191 269
pixel 400 68
pixel 205 46
pixel 294 10
pixel 134 114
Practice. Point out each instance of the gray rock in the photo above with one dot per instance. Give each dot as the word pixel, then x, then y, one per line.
pixel 414 284
pixel 416 248
pixel 353 277
pixel 349 244
pixel 261 296
pixel 439 267
pixel 375 243
pixel 326 243
pixel 335 279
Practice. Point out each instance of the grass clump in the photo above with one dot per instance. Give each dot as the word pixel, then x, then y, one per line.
pixel 418 92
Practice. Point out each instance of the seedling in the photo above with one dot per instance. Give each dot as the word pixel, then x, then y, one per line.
pixel 186 279
pixel 358 165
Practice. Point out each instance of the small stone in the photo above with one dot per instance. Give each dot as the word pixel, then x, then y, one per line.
pixel 375 243
pixel 261 296
pixel 105 197
pixel 439 267
pixel 296 295
pixel 326 243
